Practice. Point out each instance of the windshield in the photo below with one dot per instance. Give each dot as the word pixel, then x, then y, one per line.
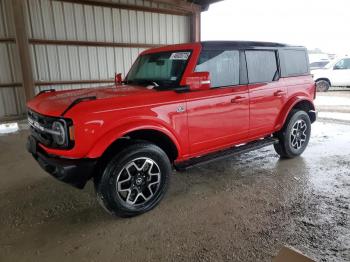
pixel 162 70
pixel 329 65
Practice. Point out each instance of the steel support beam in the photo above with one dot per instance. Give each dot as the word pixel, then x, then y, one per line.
pixel 171 11
pixel 23 48
pixel 195 24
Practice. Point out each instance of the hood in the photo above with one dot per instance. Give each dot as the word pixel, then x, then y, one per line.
pixel 55 103
pixel 319 70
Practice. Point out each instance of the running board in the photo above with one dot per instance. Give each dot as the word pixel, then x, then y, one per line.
pixel 236 150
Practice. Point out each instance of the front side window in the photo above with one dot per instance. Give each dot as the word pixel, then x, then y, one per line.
pixel 343 64
pixel 163 69
pixel 261 65
pixel 222 65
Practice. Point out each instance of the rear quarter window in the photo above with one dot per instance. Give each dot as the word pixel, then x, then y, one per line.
pixel 294 62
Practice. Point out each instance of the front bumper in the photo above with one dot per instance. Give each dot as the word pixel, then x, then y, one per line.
pixel 75 172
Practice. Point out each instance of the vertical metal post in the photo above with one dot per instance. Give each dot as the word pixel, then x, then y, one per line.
pixel 196 27
pixel 23 47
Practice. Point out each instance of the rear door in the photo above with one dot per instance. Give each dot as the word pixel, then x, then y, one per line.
pixel 267 93
pixel 218 117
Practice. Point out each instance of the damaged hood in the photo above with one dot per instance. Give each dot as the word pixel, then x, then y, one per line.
pixel 55 103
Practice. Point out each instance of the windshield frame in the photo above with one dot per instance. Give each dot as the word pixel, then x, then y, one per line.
pixel 161 87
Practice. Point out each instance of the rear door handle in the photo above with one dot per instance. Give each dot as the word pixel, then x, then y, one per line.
pixel 280 93
pixel 237 99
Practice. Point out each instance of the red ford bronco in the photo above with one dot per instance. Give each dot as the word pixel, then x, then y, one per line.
pixel 179 106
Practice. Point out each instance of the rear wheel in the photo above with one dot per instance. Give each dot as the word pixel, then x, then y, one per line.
pixel 135 180
pixel 322 85
pixel 295 136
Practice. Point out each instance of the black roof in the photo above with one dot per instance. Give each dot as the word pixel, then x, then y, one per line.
pixel 241 44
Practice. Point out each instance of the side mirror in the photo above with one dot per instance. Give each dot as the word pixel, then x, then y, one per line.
pixel 336 67
pixel 198 81
pixel 118 79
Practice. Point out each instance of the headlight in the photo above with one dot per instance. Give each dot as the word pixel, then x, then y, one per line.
pixel 60 133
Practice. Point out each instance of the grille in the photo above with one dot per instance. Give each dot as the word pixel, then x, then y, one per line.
pixel 42 126
pixel 44 121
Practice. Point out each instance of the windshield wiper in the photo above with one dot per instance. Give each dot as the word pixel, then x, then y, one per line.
pixel 164 85
pixel 143 82
pixel 155 84
pixel 127 81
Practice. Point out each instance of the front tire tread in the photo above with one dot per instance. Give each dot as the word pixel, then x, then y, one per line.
pixel 105 185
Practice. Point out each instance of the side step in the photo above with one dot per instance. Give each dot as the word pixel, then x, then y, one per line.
pixel 236 150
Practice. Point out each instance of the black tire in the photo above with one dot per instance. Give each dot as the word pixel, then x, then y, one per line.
pixel 292 139
pixel 322 85
pixel 141 168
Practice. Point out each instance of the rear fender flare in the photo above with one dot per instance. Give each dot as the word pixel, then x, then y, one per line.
pixel 288 107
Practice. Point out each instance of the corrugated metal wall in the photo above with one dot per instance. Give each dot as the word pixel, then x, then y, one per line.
pixel 59 20
pixel 11 98
pixel 55 20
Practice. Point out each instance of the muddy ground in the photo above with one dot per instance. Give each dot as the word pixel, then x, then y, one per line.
pixel 242 209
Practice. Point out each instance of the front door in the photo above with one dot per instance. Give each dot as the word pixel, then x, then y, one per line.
pixel 218 117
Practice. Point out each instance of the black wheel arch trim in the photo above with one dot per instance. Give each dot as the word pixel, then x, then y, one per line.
pixel 302 103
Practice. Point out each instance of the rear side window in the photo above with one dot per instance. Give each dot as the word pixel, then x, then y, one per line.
pixel 222 65
pixel 261 65
pixel 294 62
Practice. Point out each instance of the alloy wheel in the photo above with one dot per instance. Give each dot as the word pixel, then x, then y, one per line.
pixel 298 134
pixel 138 181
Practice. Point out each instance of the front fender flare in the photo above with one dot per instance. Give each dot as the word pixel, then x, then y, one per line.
pixel 118 132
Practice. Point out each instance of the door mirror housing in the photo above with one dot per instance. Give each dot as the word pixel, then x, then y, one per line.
pixel 118 79
pixel 198 81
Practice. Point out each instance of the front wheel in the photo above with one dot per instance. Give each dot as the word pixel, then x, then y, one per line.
pixel 135 180
pixel 295 136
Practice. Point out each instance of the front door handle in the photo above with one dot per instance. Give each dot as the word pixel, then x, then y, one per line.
pixel 237 99
pixel 280 93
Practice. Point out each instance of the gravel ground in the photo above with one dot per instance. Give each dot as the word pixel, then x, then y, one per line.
pixel 242 209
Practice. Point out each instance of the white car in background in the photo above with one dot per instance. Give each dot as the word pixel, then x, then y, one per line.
pixel 336 73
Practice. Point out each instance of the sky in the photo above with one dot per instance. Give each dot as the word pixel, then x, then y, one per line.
pixel 323 24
